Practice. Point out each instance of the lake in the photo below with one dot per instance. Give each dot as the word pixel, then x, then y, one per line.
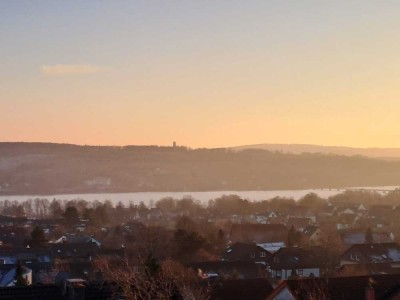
pixel 204 197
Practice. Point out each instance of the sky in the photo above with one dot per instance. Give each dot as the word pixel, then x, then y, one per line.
pixel 202 73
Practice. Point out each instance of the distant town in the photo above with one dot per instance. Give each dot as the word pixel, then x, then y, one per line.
pixel 229 248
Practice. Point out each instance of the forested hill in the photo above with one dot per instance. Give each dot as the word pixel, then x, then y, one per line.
pixel 380 153
pixel 39 168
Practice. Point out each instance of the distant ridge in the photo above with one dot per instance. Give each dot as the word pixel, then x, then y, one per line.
pixel 45 168
pixel 381 153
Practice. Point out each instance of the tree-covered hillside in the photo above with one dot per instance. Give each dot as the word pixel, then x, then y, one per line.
pixel 59 168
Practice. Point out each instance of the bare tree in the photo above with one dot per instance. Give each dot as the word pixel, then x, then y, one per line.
pixel 171 281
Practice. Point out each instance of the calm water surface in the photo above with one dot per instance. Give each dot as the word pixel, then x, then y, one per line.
pixel 204 197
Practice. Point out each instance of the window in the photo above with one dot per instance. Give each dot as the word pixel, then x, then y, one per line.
pixel 279 273
pixel 354 257
pixel 262 254
pixel 300 272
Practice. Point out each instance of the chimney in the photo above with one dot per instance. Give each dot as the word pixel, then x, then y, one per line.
pixel 369 293
pixel 75 289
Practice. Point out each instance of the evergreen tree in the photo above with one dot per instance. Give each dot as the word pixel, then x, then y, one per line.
pixel 293 274
pixel 369 239
pixel 152 265
pixel 19 279
pixel 292 234
pixel 71 215
pixel 38 239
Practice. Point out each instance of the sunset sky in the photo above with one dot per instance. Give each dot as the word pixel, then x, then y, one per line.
pixel 203 73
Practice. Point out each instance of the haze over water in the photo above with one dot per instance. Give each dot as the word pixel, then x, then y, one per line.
pixel 149 197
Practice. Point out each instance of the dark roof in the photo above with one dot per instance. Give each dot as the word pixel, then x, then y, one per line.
pixel 255 289
pixel 77 238
pixel 243 252
pixel 74 249
pixel 370 269
pixel 11 219
pixel 100 291
pixel 46 222
pixel 373 253
pixel 236 270
pixel 35 292
pixel 25 252
pixel 298 222
pixel 297 258
pixel 93 291
pixel 13 235
pixel 340 288
pixel 310 230
pixel 258 233
pixel 358 237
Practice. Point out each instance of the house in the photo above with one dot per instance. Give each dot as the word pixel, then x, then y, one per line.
pixel 38 261
pixel 313 235
pixel 361 208
pixel 10 221
pixel 33 292
pixel 246 252
pixel 354 208
pixel 258 233
pixel 25 256
pixel 345 211
pixel 261 219
pixel 327 211
pixel 352 237
pixel 381 216
pixel 229 269
pixel 371 253
pixel 154 214
pixel 299 223
pixel 296 261
pixel 73 239
pixel 301 212
pixel 12 236
pixel 272 247
pixel 380 211
pixel 346 221
pixel 277 220
pixel 111 255
pixel 239 289
pixel 369 269
pixel 73 289
pixel 357 287
pixel 272 214
pixel 74 250
pixel 8 278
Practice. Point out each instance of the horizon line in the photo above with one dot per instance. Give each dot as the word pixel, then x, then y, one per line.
pixel 203 147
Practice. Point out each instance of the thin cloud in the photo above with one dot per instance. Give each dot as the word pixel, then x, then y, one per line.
pixel 64 69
